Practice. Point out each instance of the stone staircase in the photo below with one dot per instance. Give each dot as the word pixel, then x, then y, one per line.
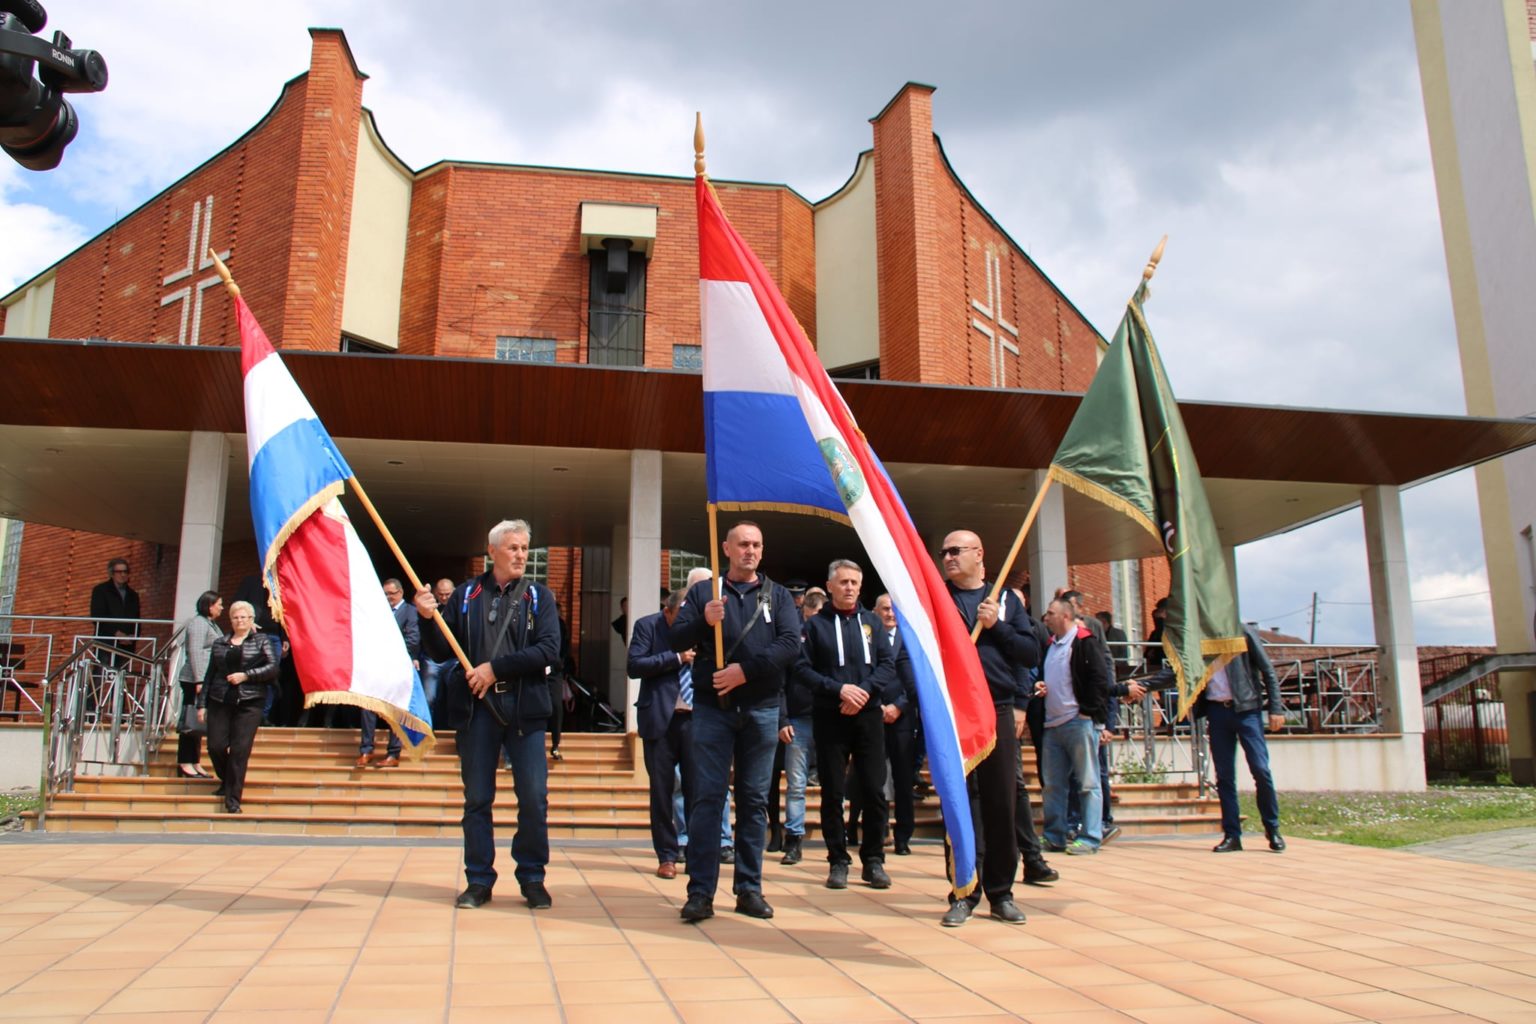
pixel 302 782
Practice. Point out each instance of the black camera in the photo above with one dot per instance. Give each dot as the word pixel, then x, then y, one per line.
pixel 36 121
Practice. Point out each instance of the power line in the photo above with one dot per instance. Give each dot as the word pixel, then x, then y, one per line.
pixel 1422 600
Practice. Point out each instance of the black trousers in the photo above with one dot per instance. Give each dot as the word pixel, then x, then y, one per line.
pixel 994 804
pixel 775 785
pixel 899 743
pixel 663 757
pixel 189 745
pixel 1024 824
pixel 837 738
pixel 231 734
pixel 557 712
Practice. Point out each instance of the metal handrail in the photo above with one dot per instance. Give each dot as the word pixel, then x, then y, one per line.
pixel 122 701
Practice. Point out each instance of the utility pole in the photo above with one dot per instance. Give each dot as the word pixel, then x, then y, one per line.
pixel 1312 638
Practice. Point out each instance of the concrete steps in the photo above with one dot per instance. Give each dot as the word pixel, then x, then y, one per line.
pixel 304 782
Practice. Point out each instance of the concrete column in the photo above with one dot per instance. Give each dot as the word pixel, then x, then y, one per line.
pixel 644 553
pixel 1046 546
pixel 202 519
pixel 1392 612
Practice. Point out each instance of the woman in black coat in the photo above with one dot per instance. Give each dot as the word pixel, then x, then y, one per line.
pixel 240 668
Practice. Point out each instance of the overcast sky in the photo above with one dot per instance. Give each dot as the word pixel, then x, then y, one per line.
pixel 1281 147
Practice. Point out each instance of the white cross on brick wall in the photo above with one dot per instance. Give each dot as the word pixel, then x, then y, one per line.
pixel 191 296
pixel 998 331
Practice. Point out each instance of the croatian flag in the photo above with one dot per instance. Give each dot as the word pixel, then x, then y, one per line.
pixel 347 647
pixel 777 435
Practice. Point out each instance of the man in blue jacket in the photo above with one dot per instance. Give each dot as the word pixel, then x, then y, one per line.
pixel 847 665
pixel 664 719
pixel 735 714
pixel 509 628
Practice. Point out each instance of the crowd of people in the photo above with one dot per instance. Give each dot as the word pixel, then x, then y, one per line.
pixel 753 684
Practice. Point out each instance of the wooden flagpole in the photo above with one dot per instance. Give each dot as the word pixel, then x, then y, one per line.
pixel 714 527
pixel 389 538
pixel 1034 508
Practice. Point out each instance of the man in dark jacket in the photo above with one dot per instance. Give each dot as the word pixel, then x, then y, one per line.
pixel 115 607
pixel 735 714
pixel 851 674
pixel 509 628
pixel 1238 702
pixel 409 621
pixel 664 719
pixel 1075 685
pixel 1008 649
pixel 899 712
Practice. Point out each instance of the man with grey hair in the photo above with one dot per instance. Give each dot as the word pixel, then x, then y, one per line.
pixel 663 717
pixel 848 667
pixel 509 628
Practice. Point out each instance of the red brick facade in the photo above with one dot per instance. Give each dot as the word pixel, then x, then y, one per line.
pixel 495 250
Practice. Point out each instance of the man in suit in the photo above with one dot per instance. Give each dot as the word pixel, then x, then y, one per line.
pixel 900 716
pixel 410 627
pixel 115 607
pixel 663 717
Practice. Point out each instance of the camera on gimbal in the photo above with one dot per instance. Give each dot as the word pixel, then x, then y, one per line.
pixel 36 121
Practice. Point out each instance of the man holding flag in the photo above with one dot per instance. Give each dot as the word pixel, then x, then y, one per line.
pixel 1008 649
pixel 510 629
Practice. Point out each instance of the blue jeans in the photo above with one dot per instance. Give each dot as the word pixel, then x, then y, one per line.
pixel 680 805
pixel 482 743
pixel 797 764
pixel 433 675
pixel 1227 729
pixel 747 737
pixel 1071 753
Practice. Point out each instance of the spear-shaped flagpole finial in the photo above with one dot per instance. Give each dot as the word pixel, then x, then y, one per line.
pixel 1157 255
pixel 229 281
pixel 698 143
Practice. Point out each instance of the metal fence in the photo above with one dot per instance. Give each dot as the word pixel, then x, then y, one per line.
pixel 1464 732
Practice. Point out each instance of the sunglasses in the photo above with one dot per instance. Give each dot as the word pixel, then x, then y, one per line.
pixel 954 552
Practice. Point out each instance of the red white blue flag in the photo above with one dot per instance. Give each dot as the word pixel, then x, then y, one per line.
pixel 347 647
pixel 778 435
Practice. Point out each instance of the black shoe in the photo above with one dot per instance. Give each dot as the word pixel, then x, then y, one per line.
pixel 698 908
pixel 903 848
pixel 1053 848
pixel 474 896
pixel 874 874
pixel 1110 832
pixel 752 904
pixel 727 855
pixel 837 877
pixel 1276 840
pixel 231 805
pixel 776 839
pixel 220 790
pixel 537 896
pixel 792 852
pixel 1040 873
pixel 1228 844
pixel 958 913
pixel 1007 912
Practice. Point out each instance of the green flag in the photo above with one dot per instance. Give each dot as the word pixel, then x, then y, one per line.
pixel 1127 448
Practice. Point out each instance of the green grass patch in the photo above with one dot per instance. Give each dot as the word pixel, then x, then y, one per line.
pixel 1400 819
pixel 16 802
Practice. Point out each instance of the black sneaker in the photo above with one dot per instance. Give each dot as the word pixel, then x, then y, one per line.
pixel 837 876
pixel 727 855
pixel 1110 832
pixel 474 896
pixel 958 913
pixel 903 848
pixel 792 851
pixel 1007 912
pixel 752 904
pixel 698 908
pixel 874 874
pixel 537 896
pixel 1040 873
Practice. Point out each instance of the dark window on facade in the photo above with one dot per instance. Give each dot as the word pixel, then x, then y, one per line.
pixel 351 344
pixel 687 357
pixel 525 350
pixel 858 371
pixel 616 318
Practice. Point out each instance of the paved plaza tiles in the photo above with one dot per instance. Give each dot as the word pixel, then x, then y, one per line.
pixel 1157 929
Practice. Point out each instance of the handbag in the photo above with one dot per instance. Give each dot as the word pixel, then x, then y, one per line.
pixel 188 724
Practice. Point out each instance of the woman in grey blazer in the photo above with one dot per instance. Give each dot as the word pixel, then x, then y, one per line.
pixel 202 630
